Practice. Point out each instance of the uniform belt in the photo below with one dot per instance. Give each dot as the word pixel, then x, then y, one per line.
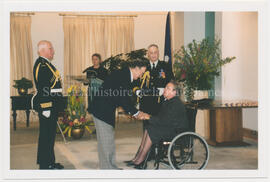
pixel 55 90
pixel 46 105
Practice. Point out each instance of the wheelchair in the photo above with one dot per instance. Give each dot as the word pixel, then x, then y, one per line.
pixel 186 151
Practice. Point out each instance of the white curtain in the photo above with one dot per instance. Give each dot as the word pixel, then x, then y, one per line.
pixel 86 35
pixel 21 56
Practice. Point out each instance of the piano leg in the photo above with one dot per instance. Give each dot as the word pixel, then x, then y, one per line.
pixel 14 114
pixel 27 117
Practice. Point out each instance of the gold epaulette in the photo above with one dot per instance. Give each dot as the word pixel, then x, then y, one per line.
pixel 46 105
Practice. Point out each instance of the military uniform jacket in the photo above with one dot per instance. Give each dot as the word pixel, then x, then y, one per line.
pixel 48 85
pixel 156 80
pixel 150 100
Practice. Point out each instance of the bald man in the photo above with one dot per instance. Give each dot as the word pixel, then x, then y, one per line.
pixel 47 102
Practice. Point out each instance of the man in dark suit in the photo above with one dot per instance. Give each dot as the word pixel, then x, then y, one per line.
pixel 47 102
pixel 115 91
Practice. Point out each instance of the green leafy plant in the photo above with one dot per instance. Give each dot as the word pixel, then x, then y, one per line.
pixel 197 64
pixel 121 60
pixel 23 83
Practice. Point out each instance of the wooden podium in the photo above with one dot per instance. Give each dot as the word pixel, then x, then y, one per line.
pixel 225 122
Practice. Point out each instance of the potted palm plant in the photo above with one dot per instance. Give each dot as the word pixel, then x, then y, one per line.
pixel 23 85
pixel 197 64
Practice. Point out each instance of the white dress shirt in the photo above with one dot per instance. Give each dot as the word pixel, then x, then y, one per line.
pixel 155 63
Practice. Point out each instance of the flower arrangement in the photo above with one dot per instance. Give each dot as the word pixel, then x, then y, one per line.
pixel 197 65
pixel 74 117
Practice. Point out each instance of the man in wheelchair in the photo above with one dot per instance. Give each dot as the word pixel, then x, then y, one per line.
pixel 172 116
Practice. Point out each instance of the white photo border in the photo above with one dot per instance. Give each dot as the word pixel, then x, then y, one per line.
pixel 168 5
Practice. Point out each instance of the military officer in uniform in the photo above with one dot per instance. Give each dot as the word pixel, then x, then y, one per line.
pixel 47 102
pixel 150 87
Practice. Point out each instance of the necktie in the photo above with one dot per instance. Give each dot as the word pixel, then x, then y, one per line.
pixel 153 66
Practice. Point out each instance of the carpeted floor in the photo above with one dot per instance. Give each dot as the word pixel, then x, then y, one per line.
pixel 82 154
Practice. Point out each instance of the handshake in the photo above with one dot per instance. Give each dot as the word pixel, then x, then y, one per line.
pixel 153 91
pixel 142 116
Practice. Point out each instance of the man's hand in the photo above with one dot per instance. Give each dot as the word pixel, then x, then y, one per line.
pixel 142 116
pixel 146 116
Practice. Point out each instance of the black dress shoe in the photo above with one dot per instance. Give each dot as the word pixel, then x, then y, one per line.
pixel 56 166
pixel 142 165
pixel 130 163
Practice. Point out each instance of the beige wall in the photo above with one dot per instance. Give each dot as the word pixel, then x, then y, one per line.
pixel 49 26
pixel 178 30
pixel 240 77
pixel 149 28
pixel 240 39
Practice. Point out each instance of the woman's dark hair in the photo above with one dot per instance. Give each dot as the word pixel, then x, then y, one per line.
pixel 137 63
pixel 97 55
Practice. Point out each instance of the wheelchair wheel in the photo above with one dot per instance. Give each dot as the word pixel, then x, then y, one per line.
pixel 188 150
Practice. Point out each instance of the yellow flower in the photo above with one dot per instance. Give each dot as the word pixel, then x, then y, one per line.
pixel 76 121
pixel 83 90
pixel 70 89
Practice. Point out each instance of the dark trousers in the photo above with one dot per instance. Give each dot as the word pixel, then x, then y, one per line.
pixel 47 133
